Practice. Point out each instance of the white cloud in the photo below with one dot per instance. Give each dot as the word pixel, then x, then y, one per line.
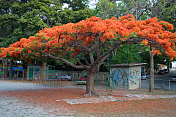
pixel 92 3
pixel 65 6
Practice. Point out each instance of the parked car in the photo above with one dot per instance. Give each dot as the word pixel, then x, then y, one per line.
pixel 83 78
pixel 143 76
pixel 62 77
pixel 148 76
pixel 166 71
pixel 161 72
pixel 172 78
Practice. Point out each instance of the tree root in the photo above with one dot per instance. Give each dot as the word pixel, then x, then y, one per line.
pixel 91 93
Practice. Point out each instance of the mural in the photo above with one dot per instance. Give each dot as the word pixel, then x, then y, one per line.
pixel 134 77
pixel 126 78
pixel 118 78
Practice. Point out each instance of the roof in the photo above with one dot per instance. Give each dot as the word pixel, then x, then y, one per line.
pixel 128 65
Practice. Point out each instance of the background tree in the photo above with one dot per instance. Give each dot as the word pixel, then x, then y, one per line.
pixel 106 9
pixel 25 18
pixel 112 8
pixel 127 54
pixel 76 5
pixel 164 10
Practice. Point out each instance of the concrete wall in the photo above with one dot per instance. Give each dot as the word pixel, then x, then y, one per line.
pixel 119 78
pixel 126 77
pixel 134 77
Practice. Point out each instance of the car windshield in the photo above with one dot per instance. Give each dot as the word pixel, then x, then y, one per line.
pixel 143 74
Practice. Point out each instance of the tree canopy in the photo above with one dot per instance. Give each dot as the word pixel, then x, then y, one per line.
pixel 92 41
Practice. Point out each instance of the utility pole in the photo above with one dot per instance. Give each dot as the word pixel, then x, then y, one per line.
pixel 151 84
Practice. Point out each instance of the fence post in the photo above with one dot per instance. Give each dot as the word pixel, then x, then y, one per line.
pixel 23 75
pixel 1 74
pixel 169 84
pixel 17 73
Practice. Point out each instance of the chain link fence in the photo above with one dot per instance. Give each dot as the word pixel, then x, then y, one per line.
pixel 161 84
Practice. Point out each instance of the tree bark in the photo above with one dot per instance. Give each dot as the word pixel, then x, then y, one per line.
pixel 151 84
pixel 168 66
pixel 89 84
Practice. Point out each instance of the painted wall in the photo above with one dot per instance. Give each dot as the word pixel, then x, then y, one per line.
pixel 119 78
pixel 134 77
pixel 126 78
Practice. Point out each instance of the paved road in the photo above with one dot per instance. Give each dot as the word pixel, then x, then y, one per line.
pixel 161 82
pixel 14 86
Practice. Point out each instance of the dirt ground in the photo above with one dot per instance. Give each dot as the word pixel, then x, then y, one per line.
pixel 129 103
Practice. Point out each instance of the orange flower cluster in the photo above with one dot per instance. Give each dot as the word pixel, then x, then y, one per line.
pixel 93 30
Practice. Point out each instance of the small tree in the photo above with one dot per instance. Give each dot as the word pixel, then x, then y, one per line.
pixel 89 42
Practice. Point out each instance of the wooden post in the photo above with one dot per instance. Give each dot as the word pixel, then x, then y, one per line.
pixel 151 84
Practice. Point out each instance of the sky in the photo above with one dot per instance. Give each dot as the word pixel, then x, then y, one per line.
pixel 92 4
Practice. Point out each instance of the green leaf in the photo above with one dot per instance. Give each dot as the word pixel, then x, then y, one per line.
pixel 147 49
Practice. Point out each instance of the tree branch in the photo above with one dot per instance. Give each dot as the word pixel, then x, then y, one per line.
pixel 91 58
pixel 85 59
pixel 129 41
pixel 67 62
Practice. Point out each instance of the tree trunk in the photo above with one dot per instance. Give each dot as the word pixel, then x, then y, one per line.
pixel 89 84
pixel 151 86
pixel 168 66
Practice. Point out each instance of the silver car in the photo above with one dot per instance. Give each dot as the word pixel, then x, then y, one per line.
pixel 62 77
pixel 172 78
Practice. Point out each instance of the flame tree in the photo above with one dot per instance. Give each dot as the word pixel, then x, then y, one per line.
pixel 89 42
